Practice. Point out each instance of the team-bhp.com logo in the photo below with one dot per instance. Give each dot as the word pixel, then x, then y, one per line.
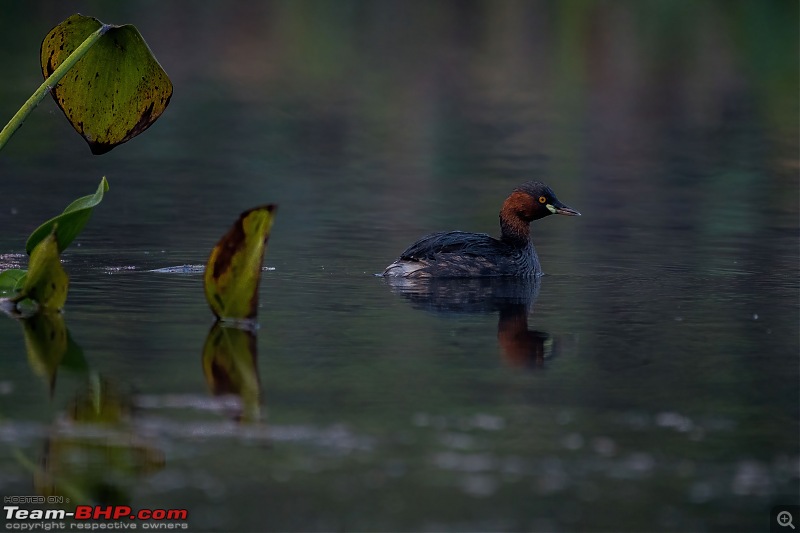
pixel 87 517
pixel 87 512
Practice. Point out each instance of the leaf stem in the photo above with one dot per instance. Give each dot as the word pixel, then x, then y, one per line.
pixel 52 80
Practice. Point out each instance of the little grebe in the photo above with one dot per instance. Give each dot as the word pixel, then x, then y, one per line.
pixel 460 254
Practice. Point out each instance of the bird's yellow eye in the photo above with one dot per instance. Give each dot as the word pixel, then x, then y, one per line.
pixel 542 200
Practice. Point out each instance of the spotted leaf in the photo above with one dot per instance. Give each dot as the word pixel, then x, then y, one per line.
pixel 46 282
pixel 116 91
pixel 233 271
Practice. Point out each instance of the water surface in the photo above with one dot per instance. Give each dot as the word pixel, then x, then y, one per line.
pixel 648 382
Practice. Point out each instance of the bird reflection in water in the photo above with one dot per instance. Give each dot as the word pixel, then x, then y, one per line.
pixel 520 346
pixel 511 297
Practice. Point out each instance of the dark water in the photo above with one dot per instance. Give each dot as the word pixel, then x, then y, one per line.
pixel 649 382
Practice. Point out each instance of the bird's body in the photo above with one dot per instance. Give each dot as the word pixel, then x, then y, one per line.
pixel 462 254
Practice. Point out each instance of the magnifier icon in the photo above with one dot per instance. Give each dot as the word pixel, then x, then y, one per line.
pixel 785 519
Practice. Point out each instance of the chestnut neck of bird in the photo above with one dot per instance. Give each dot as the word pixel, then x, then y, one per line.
pixel 514 229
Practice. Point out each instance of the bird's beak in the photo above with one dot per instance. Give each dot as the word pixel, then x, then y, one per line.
pixel 557 208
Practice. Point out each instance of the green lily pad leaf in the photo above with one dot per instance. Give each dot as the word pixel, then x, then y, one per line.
pixel 233 271
pixel 69 223
pixel 116 91
pixel 11 281
pixel 46 282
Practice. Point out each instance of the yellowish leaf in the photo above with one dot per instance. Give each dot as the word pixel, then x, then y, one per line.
pixel 47 282
pixel 233 271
